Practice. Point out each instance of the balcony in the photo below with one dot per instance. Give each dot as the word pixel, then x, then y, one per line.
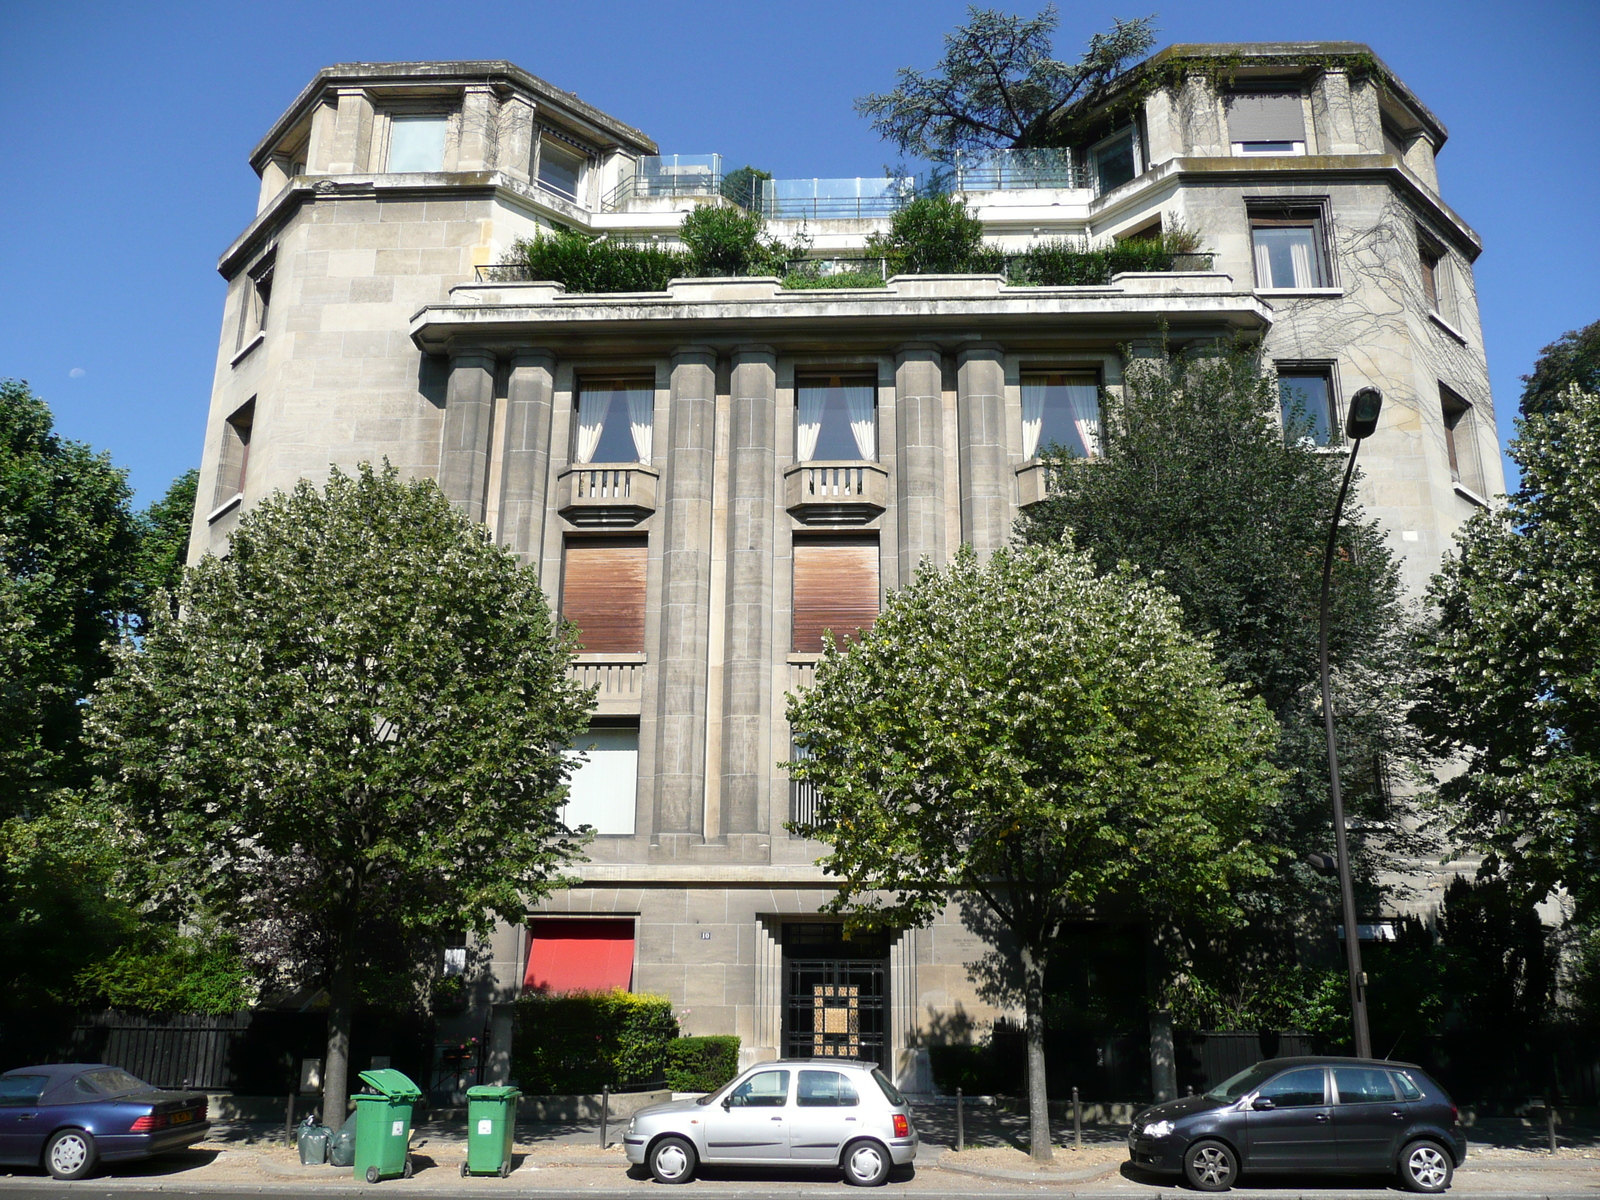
pixel 836 493
pixel 606 495
pixel 665 177
pixel 1033 482
pixel 618 680
pixel 836 199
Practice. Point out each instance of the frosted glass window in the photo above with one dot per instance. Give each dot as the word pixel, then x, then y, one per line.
pixel 601 791
pixel 416 143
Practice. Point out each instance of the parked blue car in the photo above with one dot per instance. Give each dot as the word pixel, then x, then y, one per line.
pixel 69 1117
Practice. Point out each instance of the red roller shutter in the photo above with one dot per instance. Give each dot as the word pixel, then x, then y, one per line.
pixel 835 587
pixel 602 592
pixel 579 956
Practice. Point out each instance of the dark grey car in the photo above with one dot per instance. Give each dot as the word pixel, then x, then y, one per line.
pixel 1350 1116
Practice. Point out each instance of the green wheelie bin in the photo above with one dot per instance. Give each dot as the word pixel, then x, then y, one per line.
pixel 383 1125
pixel 491 1126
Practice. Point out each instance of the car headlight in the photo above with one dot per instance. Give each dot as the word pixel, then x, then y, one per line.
pixel 1158 1129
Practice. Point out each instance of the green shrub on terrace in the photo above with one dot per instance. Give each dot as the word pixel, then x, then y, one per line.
pixel 799 280
pixel 588 264
pixel 935 235
pixel 580 1043
pixel 701 1064
pixel 1064 264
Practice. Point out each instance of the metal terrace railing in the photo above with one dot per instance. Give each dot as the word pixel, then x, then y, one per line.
pixel 834 198
pixel 667 175
pixel 1013 170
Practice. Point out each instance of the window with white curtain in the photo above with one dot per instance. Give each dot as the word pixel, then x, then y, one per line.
pixel 1289 248
pixel 616 418
pixel 836 420
pixel 1060 409
pixel 601 791
pixel 416 142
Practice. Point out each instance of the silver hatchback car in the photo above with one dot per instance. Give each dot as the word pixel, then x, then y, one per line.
pixel 799 1111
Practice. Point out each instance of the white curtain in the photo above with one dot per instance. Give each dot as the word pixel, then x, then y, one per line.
pixel 1263 262
pixel 1083 408
pixel 1032 417
pixel 641 420
pixel 592 409
pixel 810 423
pixel 858 403
pixel 1300 256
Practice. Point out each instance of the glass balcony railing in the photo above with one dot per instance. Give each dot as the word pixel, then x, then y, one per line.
pixel 667 175
pixel 834 198
pixel 1014 170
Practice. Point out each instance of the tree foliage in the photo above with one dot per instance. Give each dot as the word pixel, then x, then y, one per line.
pixel 1043 739
pixel 1511 686
pixel 999 86
pixel 163 543
pixel 1572 360
pixel 359 713
pixel 67 542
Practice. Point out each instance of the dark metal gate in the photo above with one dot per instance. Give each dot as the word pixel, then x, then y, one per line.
pixel 837 1008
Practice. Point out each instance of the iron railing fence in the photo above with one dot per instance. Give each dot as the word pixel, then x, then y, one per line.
pixel 1014 170
pixel 834 199
pixel 667 175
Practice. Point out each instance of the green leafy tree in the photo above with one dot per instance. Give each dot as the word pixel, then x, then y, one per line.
pixel 1041 739
pixel 1511 688
pixel 743 185
pixel 998 85
pixel 1198 484
pixel 360 714
pixel 729 241
pixel 160 970
pixel 1572 360
pixel 933 235
pixel 163 537
pixel 67 542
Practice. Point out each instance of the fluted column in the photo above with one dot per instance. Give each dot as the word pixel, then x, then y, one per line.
pixel 919 457
pixel 980 411
pixel 525 453
pixel 468 417
pixel 685 592
pixel 747 655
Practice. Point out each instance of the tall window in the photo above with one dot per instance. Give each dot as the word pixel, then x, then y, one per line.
pixel 1460 442
pixel 603 592
pixel 802 796
pixel 1266 122
pixel 1289 248
pixel 835 588
pixel 1305 395
pixel 1060 410
pixel 836 418
pixel 256 299
pixel 1115 160
pixel 615 421
pixel 235 460
pixel 416 142
pixel 560 169
pixel 601 791
pixel 1434 268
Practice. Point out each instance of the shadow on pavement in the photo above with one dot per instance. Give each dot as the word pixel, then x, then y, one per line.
pixel 987 1125
pixel 1251 1182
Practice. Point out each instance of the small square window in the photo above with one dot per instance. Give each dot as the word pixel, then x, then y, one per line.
pixel 836 420
pixel 1060 410
pixel 1289 248
pixel 560 170
pixel 616 420
pixel 1266 121
pixel 1305 397
pixel 1115 160
pixel 416 142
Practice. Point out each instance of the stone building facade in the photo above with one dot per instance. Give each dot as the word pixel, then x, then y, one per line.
pixel 708 476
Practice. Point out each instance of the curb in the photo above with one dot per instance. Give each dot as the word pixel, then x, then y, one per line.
pixel 949 1161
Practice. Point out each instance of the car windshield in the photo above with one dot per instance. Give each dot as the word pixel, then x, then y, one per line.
pixel 22 1089
pixel 112 1081
pixel 1246 1080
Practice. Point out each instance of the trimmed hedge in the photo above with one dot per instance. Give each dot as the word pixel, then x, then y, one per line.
pixel 701 1064
pixel 580 1043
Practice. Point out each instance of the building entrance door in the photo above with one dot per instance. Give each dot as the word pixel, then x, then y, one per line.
pixel 837 994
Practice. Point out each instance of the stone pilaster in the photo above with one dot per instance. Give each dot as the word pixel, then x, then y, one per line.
pixel 685 592
pixel 516 137
pixel 919 458
pixel 479 144
pixel 351 150
pixel 468 419
pixel 747 658
pixel 525 453
pixel 985 465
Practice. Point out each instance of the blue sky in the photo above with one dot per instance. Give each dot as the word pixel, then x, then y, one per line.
pixel 127 128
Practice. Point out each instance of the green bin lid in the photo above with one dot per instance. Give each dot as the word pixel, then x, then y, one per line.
pixel 392 1084
pixel 487 1091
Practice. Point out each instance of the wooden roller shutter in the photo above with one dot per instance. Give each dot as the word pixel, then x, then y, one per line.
pixel 602 592
pixel 835 587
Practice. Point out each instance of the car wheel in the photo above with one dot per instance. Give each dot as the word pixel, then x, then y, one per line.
pixel 866 1164
pixel 672 1160
pixel 1425 1167
pixel 69 1154
pixel 1210 1166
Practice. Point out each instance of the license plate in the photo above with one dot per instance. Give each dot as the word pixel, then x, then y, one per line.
pixel 178 1118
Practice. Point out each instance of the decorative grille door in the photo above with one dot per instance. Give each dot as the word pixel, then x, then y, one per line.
pixel 836 1009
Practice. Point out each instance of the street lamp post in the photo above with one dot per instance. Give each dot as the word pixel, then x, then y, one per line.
pixel 1360 421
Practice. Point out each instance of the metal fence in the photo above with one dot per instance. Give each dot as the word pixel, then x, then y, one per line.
pixel 667 175
pixel 1012 170
pixel 834 199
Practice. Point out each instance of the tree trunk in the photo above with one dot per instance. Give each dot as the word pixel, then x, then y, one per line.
pixel 1163 1051
pixel 1039 1144
pixel 336 1066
